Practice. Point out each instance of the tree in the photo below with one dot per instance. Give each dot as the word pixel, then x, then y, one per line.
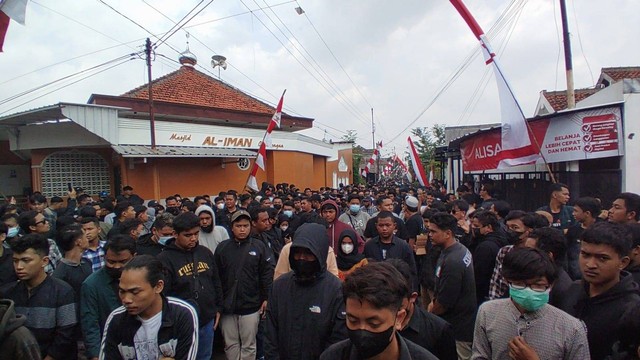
pixel 426 141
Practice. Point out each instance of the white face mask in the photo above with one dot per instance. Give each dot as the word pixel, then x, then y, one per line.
pixel 347 248
pixel 284 227
pixel 220 206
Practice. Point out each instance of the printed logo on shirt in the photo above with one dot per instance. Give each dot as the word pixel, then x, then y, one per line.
pixel 467 259
pixel 384 254
pixel 252 253
pixel 438 271
pixel 187 270
pixel 315 309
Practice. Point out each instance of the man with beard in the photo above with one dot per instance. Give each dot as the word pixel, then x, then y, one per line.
pixel 191 275
pixel 210 234
pixel 99 292
pixel 305 301
pixel 373 302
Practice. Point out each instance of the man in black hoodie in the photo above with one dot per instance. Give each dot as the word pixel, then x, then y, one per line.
pixel 16 341
pixel 192 276
pixel 246 274
pixel 307 300
pixel 490 238
pixel 605 291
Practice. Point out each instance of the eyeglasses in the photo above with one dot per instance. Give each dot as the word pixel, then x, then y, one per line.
pixel 534 287
pixel 41 222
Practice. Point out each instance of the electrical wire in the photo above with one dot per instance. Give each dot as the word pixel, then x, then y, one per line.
pixel 301 64
pixel 67 85
pixel 165 38
pixel 575 17
pixel 124 16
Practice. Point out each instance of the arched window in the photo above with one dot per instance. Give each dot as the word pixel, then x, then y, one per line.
pixel 82 169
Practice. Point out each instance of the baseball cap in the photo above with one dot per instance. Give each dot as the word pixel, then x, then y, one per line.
pixel 238 214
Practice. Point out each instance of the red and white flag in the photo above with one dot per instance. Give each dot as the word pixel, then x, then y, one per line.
pixel 404 167
pixel 261 159
pixel 417 163
pixel 516 147
pixel 372 160
pixel 11 9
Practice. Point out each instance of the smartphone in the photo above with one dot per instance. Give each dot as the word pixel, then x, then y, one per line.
pixel 69 187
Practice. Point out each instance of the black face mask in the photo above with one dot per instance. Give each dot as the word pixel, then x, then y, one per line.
pixel 277 206
pixel 207 229
pixel 514 236
pixel 370 344
pixel 306 271
pixel 114 273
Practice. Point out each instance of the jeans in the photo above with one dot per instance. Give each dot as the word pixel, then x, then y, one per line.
pixel 205 341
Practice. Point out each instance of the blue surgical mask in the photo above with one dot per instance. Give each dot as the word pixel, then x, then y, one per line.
pixel 13 232
pixel 289 213
pixel 529 299
pixel 163 240
pixel 354 208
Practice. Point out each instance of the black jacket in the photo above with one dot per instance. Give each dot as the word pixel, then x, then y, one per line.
pixel 399 249
pixel 274 242
pixel 344 350
pixel 201 288
pixel 601 313
pixel 177 337
pixel 146 246
pixel 484 260
pixel 432 333
pixel 304 319
pixel 246 288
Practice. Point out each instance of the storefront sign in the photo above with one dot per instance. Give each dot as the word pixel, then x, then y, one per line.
pixel 579 135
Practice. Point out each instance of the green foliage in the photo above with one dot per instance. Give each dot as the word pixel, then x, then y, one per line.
pixel 351 136
pixel 426 140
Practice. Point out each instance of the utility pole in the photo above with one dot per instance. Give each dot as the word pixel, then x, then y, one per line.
pixel 152 123
pixel 568 62
pixel 373 137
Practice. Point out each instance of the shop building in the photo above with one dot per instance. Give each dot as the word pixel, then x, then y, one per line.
pixel 207 134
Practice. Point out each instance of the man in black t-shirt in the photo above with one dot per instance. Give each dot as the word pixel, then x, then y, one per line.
pixel 455 291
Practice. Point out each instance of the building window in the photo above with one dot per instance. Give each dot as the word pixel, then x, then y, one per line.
pixel 80 169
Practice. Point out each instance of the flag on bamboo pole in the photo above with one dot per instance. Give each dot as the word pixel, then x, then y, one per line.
pixel 404 167
pixel 416 163
pixel 516 147
pixel 261 158
pixel 372 160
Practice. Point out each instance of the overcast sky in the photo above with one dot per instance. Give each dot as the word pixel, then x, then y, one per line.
pixel 398 54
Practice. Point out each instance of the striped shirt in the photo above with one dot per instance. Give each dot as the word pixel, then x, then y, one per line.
pixel 50 310
pixel 551 332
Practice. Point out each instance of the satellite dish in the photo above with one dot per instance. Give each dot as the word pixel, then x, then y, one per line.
pixel 219 60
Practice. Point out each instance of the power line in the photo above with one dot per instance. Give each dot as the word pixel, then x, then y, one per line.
pixel 335 57
pixel 124 16
pixel 170 33
pixel 67 85
pixel 299 62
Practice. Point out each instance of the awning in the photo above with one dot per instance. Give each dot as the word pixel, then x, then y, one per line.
pixel 180 151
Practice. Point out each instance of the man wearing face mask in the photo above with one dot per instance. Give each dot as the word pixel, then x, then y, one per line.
pixel 153 243
pixel 354 216
pixel 525 326
pixel 519 226
pixel 99 292
pixel 373 300
pixel 305 301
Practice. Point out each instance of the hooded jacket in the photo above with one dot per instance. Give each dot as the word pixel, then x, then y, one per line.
pixel 16 341
pixel 202 288
pixel 216 236
pixel 484 260
pixel 297 310
pixel 601 314
pixel 336 228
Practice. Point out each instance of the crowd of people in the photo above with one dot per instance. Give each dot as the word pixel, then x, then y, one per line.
pixel 384 271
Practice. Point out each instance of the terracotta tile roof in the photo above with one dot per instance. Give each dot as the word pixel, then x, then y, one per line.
pixel 619 73
pixel 558 99
pixel 189 86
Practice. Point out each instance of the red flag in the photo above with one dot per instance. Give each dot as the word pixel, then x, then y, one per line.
pixel 516 141
pixel 4 25
pixel 275 119
pixel 372 160
pixel 417 163
pixel 404 167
